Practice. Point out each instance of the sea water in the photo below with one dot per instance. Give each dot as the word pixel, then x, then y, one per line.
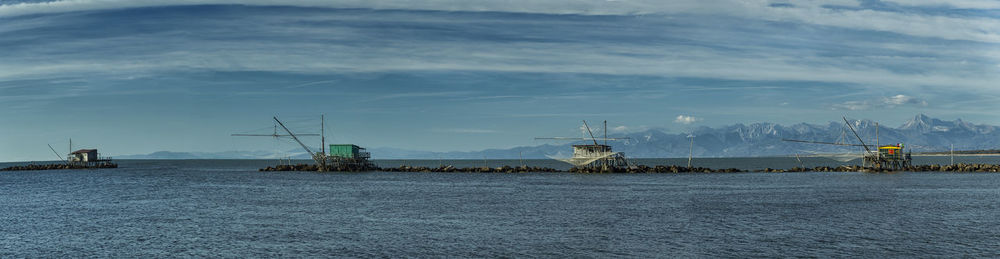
pixel 226 208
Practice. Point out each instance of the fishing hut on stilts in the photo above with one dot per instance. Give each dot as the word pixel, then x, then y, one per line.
pixel 596 156
pixel 887 157
pixel 342 157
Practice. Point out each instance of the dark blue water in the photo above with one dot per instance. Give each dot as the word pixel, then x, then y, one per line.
pixel 225 208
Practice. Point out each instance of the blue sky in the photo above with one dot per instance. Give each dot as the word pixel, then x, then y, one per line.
pixel 134 77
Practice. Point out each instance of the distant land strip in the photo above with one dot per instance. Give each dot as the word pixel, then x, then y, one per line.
pixel 985 152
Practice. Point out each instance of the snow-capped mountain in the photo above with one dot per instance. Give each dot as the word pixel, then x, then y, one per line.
pixel 920 134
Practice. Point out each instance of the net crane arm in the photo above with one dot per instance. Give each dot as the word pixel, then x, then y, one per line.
pixel 311 154
pixel 269 135
pixel 569 138
pixel 820 142
pixel 591 138
pixel 57 154
pixel 858 136
pixel 275 134
pixel 591 132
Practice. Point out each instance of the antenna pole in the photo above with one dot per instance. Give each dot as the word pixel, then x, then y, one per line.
pixel 952 154
pixel 605 132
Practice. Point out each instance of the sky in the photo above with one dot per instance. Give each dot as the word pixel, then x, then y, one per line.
pixel 134 77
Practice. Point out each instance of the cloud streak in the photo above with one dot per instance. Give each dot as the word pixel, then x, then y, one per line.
pixel 959 4
pixel 541 51
pixel 882 103
pixel 811 12
pixel 447 65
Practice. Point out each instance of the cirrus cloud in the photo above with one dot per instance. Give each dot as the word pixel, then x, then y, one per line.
pixel 882 103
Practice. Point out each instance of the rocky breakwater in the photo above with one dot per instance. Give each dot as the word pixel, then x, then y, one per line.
pixel 982 168
pixel 814 169
pixel 630 169
pixel 452 169
pixel 653 169
pixel 33 167
pixel 311 167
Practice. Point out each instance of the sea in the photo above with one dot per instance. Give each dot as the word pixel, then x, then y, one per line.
pixel 226 208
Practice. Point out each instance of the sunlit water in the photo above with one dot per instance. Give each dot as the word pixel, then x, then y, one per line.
pixel 227 208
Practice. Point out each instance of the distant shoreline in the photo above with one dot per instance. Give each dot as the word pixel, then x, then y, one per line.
pixel 494 159
pixel 958 154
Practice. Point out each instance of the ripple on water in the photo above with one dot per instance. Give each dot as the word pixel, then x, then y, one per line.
pixel 156 210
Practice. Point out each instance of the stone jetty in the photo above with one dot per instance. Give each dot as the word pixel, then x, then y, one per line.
pixel 981 168
pixel 452 169
pixel 652 169
pixel 956 168
pixel 33 167
pixel 634 169
pixel 312 167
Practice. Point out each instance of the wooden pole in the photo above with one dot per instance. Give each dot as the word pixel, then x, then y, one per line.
pixel 322 141
pixel 322 132
pixel 691 151
pixel 521 157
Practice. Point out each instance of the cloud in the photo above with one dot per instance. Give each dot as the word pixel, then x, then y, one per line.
pixel 337 41
pixel 882 103
pixel 582 7
pixel 685 119
pixel 959 4
pixel 550 50
pixel 903 100
pixel 815 12
pixel 853 105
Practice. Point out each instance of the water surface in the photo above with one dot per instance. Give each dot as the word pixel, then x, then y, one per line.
pixel 226 208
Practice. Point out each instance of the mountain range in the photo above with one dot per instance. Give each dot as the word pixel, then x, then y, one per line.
pixel 920 134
